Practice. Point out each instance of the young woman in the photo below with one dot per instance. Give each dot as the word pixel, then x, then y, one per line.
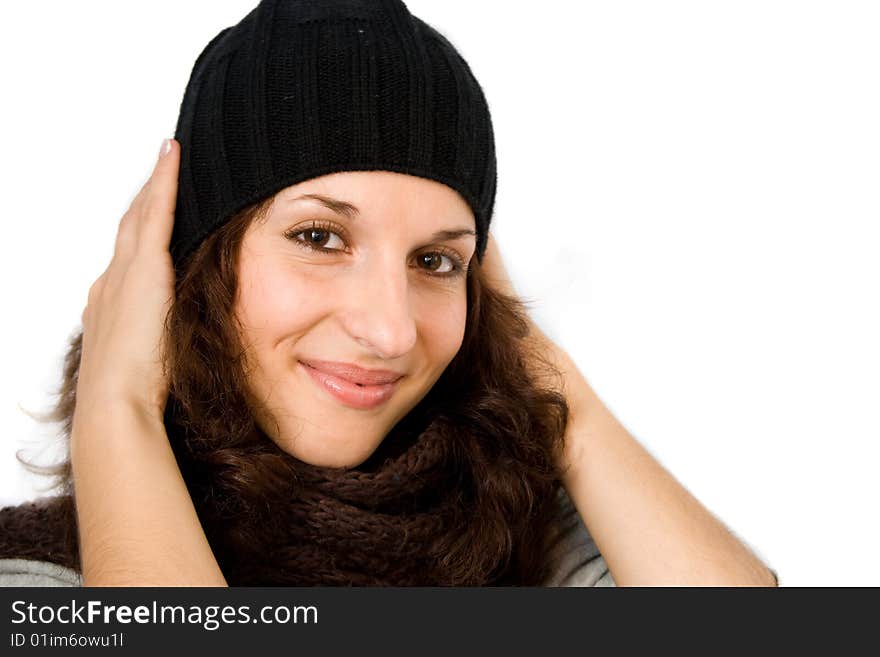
pixel 305 363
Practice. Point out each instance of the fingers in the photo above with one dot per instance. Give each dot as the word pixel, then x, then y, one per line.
pixel 161 199
pixel 148 222
pixel 126 234
pixel 94 294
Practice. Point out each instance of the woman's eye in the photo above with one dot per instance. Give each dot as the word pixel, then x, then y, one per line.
pixel 434 263
pixel 317 238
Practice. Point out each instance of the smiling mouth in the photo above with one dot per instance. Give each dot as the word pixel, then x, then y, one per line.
pixel 357 395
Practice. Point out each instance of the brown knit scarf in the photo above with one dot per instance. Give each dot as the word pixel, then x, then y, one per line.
pixel 413 514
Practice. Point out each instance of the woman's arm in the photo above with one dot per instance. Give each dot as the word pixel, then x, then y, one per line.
pixel 137 522
pixel 648 527
pixel 650 530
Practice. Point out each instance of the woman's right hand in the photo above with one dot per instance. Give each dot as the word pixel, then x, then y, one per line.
pixel 122 360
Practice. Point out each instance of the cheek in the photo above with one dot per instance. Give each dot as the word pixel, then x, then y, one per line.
pixel 442 332
pixel 274 301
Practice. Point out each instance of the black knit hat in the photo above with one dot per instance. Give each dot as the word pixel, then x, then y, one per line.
pixel 302 88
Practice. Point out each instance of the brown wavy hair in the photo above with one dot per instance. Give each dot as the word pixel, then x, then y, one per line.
pixel 510 431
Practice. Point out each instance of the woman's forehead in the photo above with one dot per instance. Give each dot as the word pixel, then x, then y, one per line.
pixel 367 199
pixel 365 190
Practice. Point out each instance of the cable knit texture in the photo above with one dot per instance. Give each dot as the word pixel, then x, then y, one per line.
pixel 36 548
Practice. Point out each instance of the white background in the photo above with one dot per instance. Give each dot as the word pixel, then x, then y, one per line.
pixel 688 194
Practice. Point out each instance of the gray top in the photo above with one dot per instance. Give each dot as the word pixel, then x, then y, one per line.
pixel 576 555
pixel 29 572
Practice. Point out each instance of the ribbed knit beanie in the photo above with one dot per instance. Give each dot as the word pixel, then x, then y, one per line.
pixel 302 88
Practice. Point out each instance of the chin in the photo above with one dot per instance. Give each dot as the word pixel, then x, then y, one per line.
pixel 335 461
pixel 336 458
pixel 321 448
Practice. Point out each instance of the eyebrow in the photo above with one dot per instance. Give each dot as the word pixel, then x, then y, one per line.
pixel 348 210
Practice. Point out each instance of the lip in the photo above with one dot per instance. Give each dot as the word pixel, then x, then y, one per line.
pixel 349 392
pixel 353 373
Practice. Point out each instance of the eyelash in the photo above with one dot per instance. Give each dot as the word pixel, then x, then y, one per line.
pixel 459 267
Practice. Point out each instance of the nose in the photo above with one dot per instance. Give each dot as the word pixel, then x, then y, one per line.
pixel 379 314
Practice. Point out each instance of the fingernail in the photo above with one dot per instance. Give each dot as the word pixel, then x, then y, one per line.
pixel 166 146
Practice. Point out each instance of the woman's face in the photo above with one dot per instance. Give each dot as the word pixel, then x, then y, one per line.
pixel 389 293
